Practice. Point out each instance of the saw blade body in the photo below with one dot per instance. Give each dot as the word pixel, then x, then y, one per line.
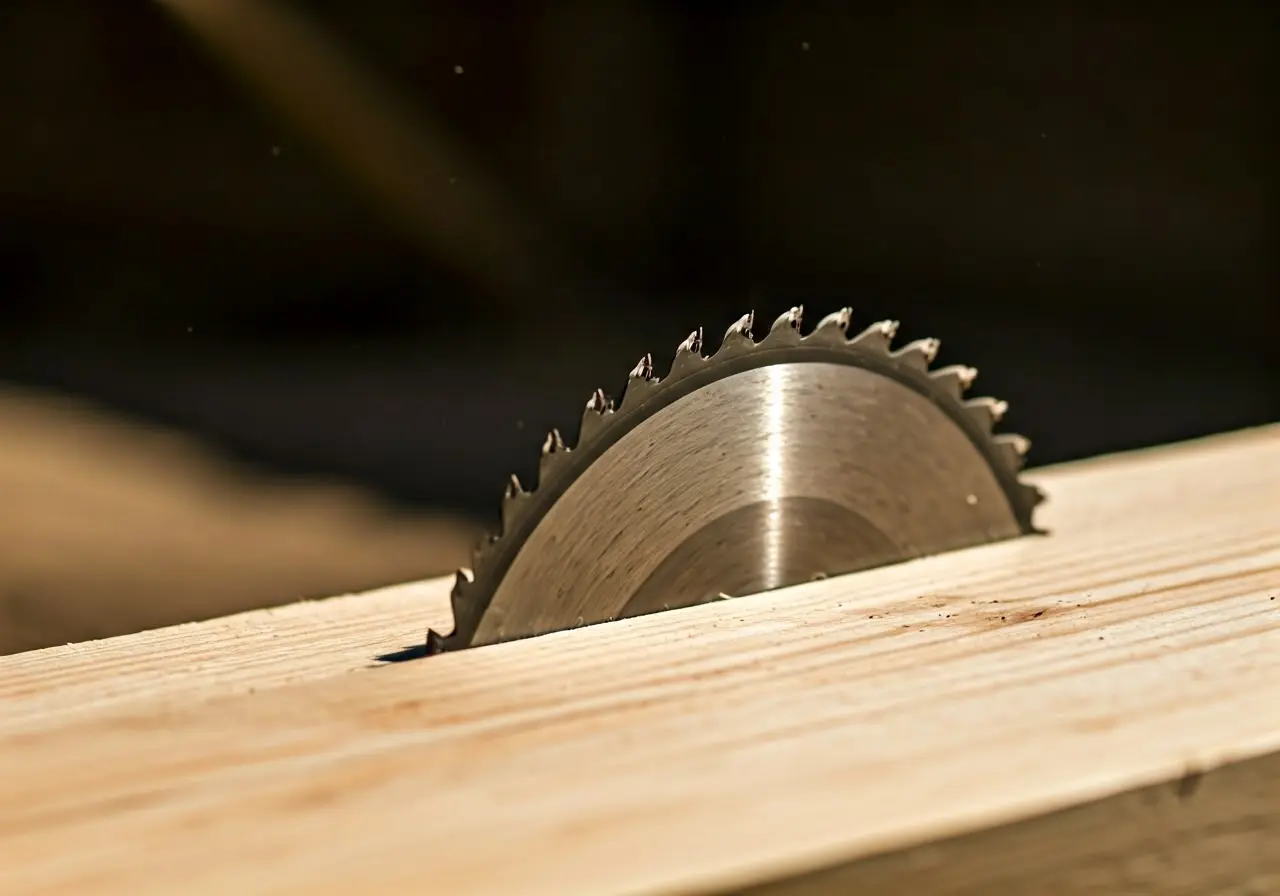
pixel 768 464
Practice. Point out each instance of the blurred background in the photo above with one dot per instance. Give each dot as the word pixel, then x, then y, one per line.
pixel 288 289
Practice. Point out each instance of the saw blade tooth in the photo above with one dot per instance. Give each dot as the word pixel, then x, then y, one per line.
pixel 688 356
pixel 554 443
pixel 594 416
pixel 832 329
pixel 738 337
pixel 599 403
pixel 786 329
pixel 462 581
pixel 1013 449
pixel 459 598
pixel 643 369
pixel 919 353
pixel 692 343
pixel 436 642
pixel 640 383
pixel 514 501
pixel 1033 495
pixel 954 379
pixel 877 337
pixel 553 454
pixel 986 412
pixel 514 488
pixel 481 549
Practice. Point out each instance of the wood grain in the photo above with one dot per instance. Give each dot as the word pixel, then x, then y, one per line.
pixel 1096 710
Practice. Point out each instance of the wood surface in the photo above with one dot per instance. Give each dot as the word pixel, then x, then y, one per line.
pixel 1092 711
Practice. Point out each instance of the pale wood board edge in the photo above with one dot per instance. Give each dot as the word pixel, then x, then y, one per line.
pixel 1202 832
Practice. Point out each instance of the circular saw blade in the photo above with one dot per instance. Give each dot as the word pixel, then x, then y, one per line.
pixel 767 464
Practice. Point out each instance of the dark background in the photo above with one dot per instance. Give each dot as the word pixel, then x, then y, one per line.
pixel 395 241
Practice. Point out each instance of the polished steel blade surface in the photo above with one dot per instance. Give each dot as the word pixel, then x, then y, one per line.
pixel 770 464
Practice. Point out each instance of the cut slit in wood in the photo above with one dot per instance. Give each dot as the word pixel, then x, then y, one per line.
pixel 1093 711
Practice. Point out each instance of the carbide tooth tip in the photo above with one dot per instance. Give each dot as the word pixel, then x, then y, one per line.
pixel 464 576
pixel 878 337
pixel 998 409
pixel 692 343
pixel 554 442
pixel 513 486
pixel 919 352
pixel 644 369
pixel 956 376
pixel 1018 444
pixel 741 326
pixel 599 402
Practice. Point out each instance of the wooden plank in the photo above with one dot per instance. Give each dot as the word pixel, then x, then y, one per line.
pixel 1093 711
pixel 240 654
